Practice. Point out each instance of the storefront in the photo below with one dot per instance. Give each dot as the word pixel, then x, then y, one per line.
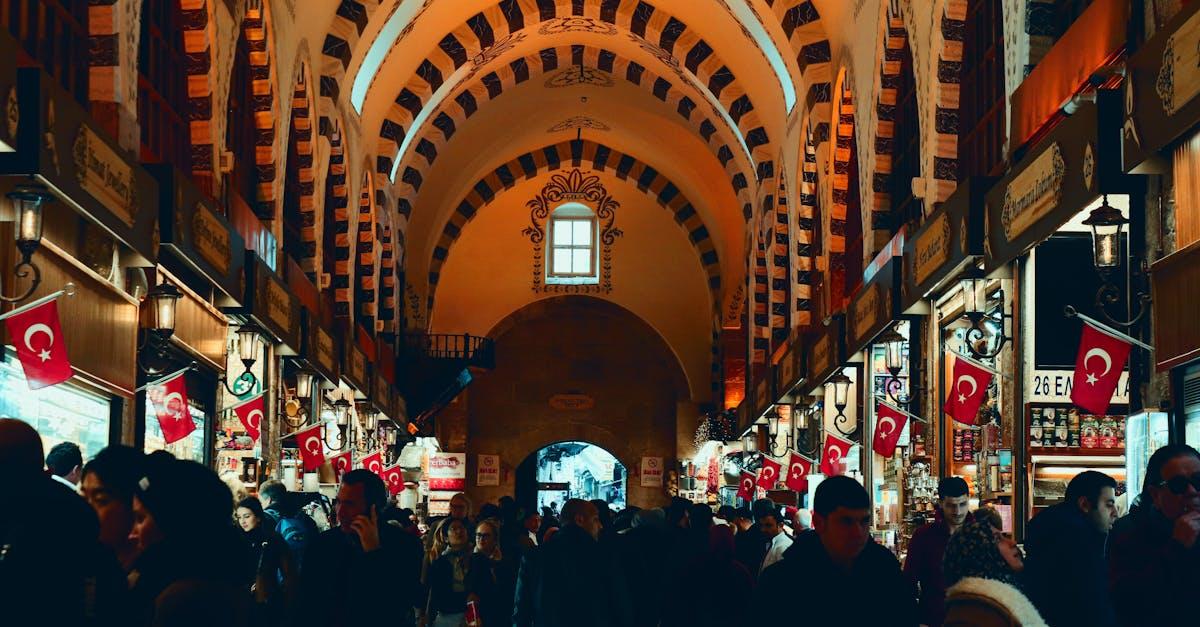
pixel 830 392
pixel 1038 262
pixel 85 216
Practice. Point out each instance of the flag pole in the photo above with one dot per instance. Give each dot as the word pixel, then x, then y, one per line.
pixel 979 364
pixel 240 403
pixel 68 289
pixel 881 401
pixel 167 377
pixel 801 456
pixel 1071 312
pixel 284 437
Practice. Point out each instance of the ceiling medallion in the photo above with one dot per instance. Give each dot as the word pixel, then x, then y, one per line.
pixel 576 24
pixel 580 75
pixel 579 121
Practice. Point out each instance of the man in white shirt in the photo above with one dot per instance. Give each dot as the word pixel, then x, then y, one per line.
pixel 772 528
pixel 64 463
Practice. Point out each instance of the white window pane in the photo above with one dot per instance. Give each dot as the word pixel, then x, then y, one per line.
pixel 562 233
pixel 583 260
pixel 562 261
pixel 583 233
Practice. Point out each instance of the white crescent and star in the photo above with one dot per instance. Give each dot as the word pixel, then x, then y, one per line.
pixel 748 484
pixel 833 453
pixel 177 397
pixel 797 470
pixel 887 420
pixel 958 386
pixel 768 472
pixel 250 420
pixel 313 445
pixel 44 329
pixel 1092 378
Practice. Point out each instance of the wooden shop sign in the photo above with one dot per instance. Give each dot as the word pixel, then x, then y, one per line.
pixel 572 402
pixel 320 351
pixel 272 305
pixel 932 247
pixel 1161 85
pixel 102 173
pixel 871 310
pixel 942 246
pixel 1034 192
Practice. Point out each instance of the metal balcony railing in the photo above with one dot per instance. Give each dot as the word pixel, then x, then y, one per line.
pixel 471 349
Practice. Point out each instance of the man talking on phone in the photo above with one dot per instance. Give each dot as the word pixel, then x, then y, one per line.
pixel 362 572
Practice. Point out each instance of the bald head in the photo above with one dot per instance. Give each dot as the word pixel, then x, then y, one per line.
pixel 20 447
pixel 582 514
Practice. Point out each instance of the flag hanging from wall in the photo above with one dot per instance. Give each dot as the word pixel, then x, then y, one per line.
pixel 834 455
pixel 968 391
pixel 38 338
pixel 394 479
pixel 798 470
pixel 768 474
pixel 889 424
pixel 341 465
pixel 746 487
pixel 250 413
pixel 312 451
pixel 170 402
pixel 374 463
pixel 1098 367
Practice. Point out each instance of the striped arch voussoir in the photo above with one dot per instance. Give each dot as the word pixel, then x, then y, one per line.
pixel 806 33
pixel 893 43
pixel 336 49
pixel 338 218
pixel 946 114
pixel 255 26
pixel 301 134
pixel 806 250
pixel 197 35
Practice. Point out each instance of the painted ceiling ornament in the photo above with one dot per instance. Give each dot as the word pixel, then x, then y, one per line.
pixel 1130 127
pixel 493 52
pixel 1165 85
pixel 587 189
pixel 576 24
pixel 580 75
pixel 659 53
pixel 579 121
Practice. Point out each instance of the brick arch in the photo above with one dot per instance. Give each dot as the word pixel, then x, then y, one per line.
pixel 574 153
pixel 345 29
pixel 386 318
pixel 807 247
pixel 198 33
pixel 760 321
pixel 845 188
pixel 256 27
pixel 801 23
pixel 455 111
pixel 366 269
pixel 336 235
pixel 779 240
pixel 300 177
pixel 496 29
pixel 892 45
pixel 946 110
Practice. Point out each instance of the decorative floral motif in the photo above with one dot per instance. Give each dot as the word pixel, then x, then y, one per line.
pixel 579 121
pixel 576 24
pixel 493 52
pixel 580 75
pixel 1165 85
pixel 573 186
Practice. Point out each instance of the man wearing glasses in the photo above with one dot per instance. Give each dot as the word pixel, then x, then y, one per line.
pixel 1154 556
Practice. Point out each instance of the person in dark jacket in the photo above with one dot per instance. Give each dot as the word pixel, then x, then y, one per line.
pixel 644 558
pixel 923 565
pixel 447 576
pixel 750 546
pixel 576 582
pixel 720 571
pixel 1154 553
pixel 273 578
pixel 360 572
pixel 827 568
pixel 1065 571
pixel 285 515
pixel 491 576
pixel 109 481
pixel 983 571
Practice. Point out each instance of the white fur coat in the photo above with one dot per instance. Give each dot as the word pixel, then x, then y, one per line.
pixel 1002 595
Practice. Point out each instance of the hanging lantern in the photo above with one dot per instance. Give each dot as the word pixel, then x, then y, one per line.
pixel 341 409
pixel 162 299
pixel 249 338
pixel 841 390
pixel 893 344
pixel 304 382
pixel 1107 222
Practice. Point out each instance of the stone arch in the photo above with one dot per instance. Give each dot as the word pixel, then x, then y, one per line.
pixel 780 264
pixel 366 266
pixel 336 236
pixel 198 35
pixel 801 23
pixel 948 41
pixel 895 69
pixel 300 176
pixel 337 48
pixel 846 215
pixel 807 248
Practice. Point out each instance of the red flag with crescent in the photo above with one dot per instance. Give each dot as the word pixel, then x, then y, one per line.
pixel 834 455
pixel 967 391
pixel 171 408
pixel 312 451
pixel 768 474
pixel 251 415
pixel 394 478
pixel 1098 368
pixel 798 470
pixel 374 463
pixel 746 487
pixel 341 465
pixel 38 338
pixel 889 423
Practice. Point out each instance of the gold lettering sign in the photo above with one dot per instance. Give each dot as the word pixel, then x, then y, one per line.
pixel 866 311
pixel 323 345
pixel 358 366
pixel 787 369
pixel 760 394
pixel 1033 193
pixel 572 402
pixel 821 356
pixel 380 389
pixel 1179 76
pixel 211 239
pixel 279 307
pixel 932 249
pixel 102 173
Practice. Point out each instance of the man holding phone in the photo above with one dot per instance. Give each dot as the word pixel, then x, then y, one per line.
pixel 363 571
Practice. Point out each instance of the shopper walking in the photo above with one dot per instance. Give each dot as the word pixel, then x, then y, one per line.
pixel 1065 570
pixel 273 579
pixel 716 569
pixel 284 510
pixel 360 572
pixel 827 569
pixel 644 562
pixel 491 576
pixel 923 565
pixel 108 484
pixel 777 541
pixel 1154 552
pixel 983 567
pixel 64 462
pixel 447 578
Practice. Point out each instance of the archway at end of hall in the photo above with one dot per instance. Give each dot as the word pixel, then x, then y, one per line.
pixel 570 470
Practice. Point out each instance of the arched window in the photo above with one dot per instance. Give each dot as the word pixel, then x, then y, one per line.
pixel 162 87
pixel 55 34
pixel 572 245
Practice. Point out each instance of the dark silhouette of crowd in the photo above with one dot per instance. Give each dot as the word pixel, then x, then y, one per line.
pixel 127 538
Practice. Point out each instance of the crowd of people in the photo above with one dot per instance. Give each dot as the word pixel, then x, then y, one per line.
pixel 134 539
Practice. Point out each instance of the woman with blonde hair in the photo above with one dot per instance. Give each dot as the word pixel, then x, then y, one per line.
pixel 447 576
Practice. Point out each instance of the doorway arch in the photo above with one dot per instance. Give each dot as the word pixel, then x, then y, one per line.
pixel 571 469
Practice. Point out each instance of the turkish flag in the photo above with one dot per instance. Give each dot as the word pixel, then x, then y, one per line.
pixel 394 479
pixel 968 391
pixel 251 415
pixel 312 451
pixel 341 465
pixel 889 423
pixel 41 347
pixel 798 470
pixel 834 456
pixel 374 463
pixel 171 408
pixel 1098 367
pixel 746 487
pixel 768 474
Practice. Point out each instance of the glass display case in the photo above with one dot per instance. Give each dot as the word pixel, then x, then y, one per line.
pixel 1064 441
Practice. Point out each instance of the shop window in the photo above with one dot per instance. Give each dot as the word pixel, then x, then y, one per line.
pixel 55 34
pixel 906 146
pixel 162 87
pixel 60 413
pixel 982 96
pixel 572 245
pixel 240 133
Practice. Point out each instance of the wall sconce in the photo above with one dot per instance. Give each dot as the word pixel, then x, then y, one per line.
pixel 249 348
pixel 986 328
pixel 304 382
pixel 773 421
pixel 341 409
pixel 27 204
pixel 159 324
pixel 894 359
pixel 749 443
pixel 1107 224
pixel 841 399
pixel 804 442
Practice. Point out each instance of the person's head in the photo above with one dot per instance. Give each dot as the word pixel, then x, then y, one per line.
pixel 272 492
pixel 249 513
pixel 489 510
pixel 603 511
pixel 981 550
pixel 952 498
pixel 726 512
pixel 108 483
pixel 582 514
pixel 20 449
pixel 453 533
pixel 547 512
pixel 487 537
pixel 361 492
pixel 179 501
pixel 460 506
pixel 802 520
pixel 743 518
pixel 65 460
pixel 842 518
pixel 700 517
pixel 653 518
pixel 1173 480
pixel 532 521
pixel 1094 494
pixel 550 531
pixel 770 525
pixel 404 516
pixel 720 543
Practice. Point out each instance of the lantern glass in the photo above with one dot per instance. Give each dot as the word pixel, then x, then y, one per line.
pixel 29 216
pixel 749 443
pixel 893 343
pixel 342 410
pixel 970 290
pixel 304 381
pixel 841 390
pixel 248 344
pixel 801 418
pixel 370 419
pixel 773 424
pixel 1106 245
pixel 162 299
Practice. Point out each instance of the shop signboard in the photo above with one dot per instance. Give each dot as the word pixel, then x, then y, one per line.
pixel 1054 386
pixel 948 240
pixel 53 140
pixel 197 236
pixel 488 470
pixel 762 396
pixel 826 353
pixel 788 370
pixel 271 304
pixel 1062 174
pixel 381 392
pixel 871 309
pixel 1161 88
pixel 652 472
pixel 447 472
pixel 319 349
pixel 355 369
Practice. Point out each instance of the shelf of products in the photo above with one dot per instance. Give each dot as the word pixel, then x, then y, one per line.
pixel 1064 441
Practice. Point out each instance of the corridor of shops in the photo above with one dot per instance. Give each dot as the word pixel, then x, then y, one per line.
pixel 638 313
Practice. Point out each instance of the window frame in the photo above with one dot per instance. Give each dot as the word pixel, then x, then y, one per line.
pixel 573 213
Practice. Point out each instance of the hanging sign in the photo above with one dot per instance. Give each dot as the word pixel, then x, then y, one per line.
pixel 652 472
pixel 447 472
pixel 932 247
pixel 488 470
pixel 104 174
pixel 1034 192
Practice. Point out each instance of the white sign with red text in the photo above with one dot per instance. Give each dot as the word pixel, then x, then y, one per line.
pixel 488 472
pixel 448 471
pixel 652 472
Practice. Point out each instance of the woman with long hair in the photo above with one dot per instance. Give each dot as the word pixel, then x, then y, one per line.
pixel 272 579
pixel 492 576
pixel 447 580
pixel 983 569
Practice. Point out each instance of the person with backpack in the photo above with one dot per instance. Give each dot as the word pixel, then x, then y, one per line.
pixel 287 518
